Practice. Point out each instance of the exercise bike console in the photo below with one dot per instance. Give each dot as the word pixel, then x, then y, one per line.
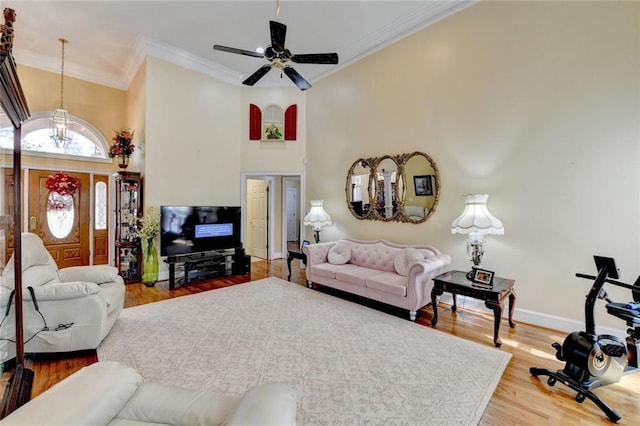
pixel 592 360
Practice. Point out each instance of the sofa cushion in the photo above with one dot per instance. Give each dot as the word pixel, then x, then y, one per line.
pixel 403 260
pixel 355 274
pixel 326 270
pixel 157 403
pixel 339 254
pixel 388 282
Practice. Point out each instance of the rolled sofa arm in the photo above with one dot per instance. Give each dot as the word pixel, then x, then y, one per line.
pixel 421 274
pixel 98 274
pixel 431 265
pixel 317 253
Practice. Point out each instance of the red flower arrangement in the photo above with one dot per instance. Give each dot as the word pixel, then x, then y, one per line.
pixel 62 184
pixel 122 145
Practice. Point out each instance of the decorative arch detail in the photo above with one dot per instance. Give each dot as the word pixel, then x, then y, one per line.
pixel 87 142
pixel 260 121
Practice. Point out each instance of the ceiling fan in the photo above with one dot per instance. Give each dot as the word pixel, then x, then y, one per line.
pixel 279 56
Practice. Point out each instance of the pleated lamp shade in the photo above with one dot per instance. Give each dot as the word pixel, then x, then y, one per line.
pixel 476 218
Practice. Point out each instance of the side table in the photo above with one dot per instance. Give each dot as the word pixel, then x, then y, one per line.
pixel 295 254
pixel 456 282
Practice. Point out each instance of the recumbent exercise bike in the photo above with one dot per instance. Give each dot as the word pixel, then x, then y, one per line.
pixel 592 360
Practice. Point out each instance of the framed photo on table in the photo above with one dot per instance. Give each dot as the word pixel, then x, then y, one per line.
pixel 422 185
pixel 304 244
pixel 482 276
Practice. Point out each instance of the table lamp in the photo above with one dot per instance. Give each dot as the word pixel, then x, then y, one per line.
pixel 317 218
pixel 476 221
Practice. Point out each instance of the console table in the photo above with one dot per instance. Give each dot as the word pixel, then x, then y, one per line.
pixel 295 254
pixel 456 282
pixel 202 266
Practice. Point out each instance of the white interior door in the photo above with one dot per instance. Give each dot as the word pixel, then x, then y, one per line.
pixel 257 190
pixel 292 214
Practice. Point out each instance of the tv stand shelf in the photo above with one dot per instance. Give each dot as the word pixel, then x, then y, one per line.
pixel 202 266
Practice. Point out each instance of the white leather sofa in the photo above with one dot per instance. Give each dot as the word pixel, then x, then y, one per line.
pixel 395 274
pixel 109 393
pixel 79 304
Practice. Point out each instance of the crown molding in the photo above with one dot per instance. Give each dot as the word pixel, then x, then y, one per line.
pixel 35 60
pixel 428 14
pixel 186 60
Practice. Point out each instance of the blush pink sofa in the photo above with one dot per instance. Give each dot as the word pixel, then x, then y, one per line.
pixel 395 274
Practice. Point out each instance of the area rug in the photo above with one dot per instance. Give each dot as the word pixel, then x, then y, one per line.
pixel 350 365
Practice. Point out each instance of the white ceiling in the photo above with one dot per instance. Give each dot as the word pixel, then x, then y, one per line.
pixel 109 39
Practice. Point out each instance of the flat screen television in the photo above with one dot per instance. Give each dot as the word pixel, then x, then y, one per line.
pixel 195 229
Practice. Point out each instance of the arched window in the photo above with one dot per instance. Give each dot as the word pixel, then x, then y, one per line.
pixel 86 142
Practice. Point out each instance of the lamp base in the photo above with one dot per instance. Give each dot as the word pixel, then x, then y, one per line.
pixel 316 235
pixel 470 274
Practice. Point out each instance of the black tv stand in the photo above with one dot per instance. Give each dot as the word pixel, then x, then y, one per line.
pixel 210 264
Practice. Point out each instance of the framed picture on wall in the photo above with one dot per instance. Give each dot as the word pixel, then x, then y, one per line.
pixel 422 185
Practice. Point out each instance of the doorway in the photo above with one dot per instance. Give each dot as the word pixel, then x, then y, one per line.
pixel 282 226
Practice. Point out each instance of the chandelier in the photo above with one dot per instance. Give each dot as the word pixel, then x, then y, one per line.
pixel 59 123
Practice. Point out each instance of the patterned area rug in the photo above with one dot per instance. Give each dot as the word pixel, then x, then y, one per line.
pixel 350 365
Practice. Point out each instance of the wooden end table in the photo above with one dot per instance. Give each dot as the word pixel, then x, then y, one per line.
pixel 456 282
pixel 295 254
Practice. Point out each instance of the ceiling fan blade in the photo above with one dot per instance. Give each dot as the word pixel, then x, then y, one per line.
pixel 278 35
pixel 316 58
pixel 238 51
pixel 297 78
pixel 253 78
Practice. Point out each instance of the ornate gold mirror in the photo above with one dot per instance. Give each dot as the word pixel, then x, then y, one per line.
pixel 360 187
pixel 400 188
pixel 386 188
pixel 422 189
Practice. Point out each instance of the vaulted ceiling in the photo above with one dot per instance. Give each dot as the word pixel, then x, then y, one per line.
pixel 108 40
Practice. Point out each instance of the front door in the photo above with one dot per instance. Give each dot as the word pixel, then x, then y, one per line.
pixel 61 222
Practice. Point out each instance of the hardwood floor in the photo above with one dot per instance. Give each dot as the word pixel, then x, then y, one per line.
pixel 519 399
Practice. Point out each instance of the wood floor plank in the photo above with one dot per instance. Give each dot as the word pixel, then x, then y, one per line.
pixel 519 399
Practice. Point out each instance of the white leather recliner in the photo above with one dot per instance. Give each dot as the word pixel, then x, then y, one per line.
pixel 77 305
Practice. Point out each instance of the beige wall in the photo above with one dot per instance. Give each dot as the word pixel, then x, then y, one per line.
pixel 136 116
pixel 534 103
pixel 192 149
pixel 102 107
pixel 285 156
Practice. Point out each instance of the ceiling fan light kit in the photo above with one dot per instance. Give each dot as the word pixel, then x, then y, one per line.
pixel 279 57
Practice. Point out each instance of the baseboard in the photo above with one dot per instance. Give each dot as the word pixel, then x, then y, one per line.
pixel 538 319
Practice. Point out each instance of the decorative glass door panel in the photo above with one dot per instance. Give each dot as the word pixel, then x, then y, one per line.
pixel 60 216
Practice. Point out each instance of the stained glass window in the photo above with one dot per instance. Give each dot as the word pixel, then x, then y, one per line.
pixel 101 206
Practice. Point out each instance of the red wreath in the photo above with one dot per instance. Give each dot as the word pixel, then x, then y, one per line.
pixel 62 184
